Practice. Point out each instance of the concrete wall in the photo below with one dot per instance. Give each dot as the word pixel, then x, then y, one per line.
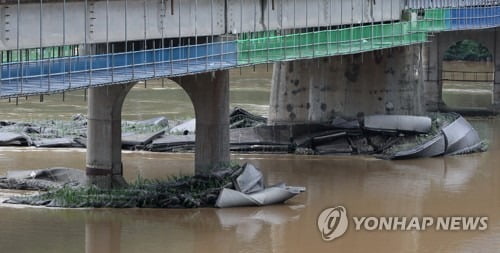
pixel 387 81
pixel 496 84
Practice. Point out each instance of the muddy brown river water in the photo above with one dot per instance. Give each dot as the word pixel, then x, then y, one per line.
pixel 447 186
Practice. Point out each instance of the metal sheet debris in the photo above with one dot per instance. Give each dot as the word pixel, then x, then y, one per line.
pixel 395 123
pixel 251 191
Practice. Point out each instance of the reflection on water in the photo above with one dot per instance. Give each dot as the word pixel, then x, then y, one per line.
pixel 468 93
pixel 445 186
pixel 102 237
pixel 477 94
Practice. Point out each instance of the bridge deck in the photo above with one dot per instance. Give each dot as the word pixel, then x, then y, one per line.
pixel 60 74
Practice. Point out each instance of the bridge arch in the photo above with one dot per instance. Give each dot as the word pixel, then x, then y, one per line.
pixel 433 62
pixel 483 37
pixel 467 74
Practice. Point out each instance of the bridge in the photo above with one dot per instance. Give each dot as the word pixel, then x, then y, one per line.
pixel 387 55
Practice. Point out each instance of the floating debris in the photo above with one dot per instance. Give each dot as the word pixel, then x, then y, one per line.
pixel 56 143
pixel 384 136
pixel 457 137
pixel 14 139
pixel 251 191
pixel 132 141
pixel 43 179
pixel 235 186
pixel 185 128
pixel 397 123
pixel 240 118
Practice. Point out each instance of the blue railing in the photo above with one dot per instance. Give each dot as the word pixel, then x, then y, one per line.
pixel 223 52
pixel 56 75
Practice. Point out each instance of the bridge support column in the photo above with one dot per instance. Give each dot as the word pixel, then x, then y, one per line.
pixel 316 90
pixel 209 93
pixel 433 55
pixel 496 83
pixel 104 146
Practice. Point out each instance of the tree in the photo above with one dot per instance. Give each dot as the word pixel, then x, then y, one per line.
pixel 467 50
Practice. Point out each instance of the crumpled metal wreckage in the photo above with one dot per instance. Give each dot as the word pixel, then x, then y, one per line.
pixel 250 190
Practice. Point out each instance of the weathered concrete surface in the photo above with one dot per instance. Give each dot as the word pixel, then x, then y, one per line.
pixel 209 93
pixel 104 135
pixel 496 84
pixel 386 81
pixel 433 85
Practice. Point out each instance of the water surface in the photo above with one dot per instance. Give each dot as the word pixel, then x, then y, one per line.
pixel 446 186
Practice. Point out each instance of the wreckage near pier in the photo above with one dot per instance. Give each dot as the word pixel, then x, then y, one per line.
pixel 385 136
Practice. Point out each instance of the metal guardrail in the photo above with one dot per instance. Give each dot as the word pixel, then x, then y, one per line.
pixel 468 76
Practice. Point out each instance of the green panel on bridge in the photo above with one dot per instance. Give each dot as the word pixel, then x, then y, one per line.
pixel 328 43
pixel 435 20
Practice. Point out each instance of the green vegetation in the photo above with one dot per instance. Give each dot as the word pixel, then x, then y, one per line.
pixel 467 50
pixel 175 192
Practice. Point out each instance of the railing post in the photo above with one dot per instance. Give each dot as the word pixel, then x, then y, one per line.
pixel 113 63
pixel 133 60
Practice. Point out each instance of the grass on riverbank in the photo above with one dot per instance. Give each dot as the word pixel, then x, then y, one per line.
pixel 175 192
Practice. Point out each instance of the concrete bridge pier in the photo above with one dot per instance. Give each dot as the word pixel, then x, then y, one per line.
pixel 209 93
pixel 496 84
pixel 104 146
pixel 317 90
